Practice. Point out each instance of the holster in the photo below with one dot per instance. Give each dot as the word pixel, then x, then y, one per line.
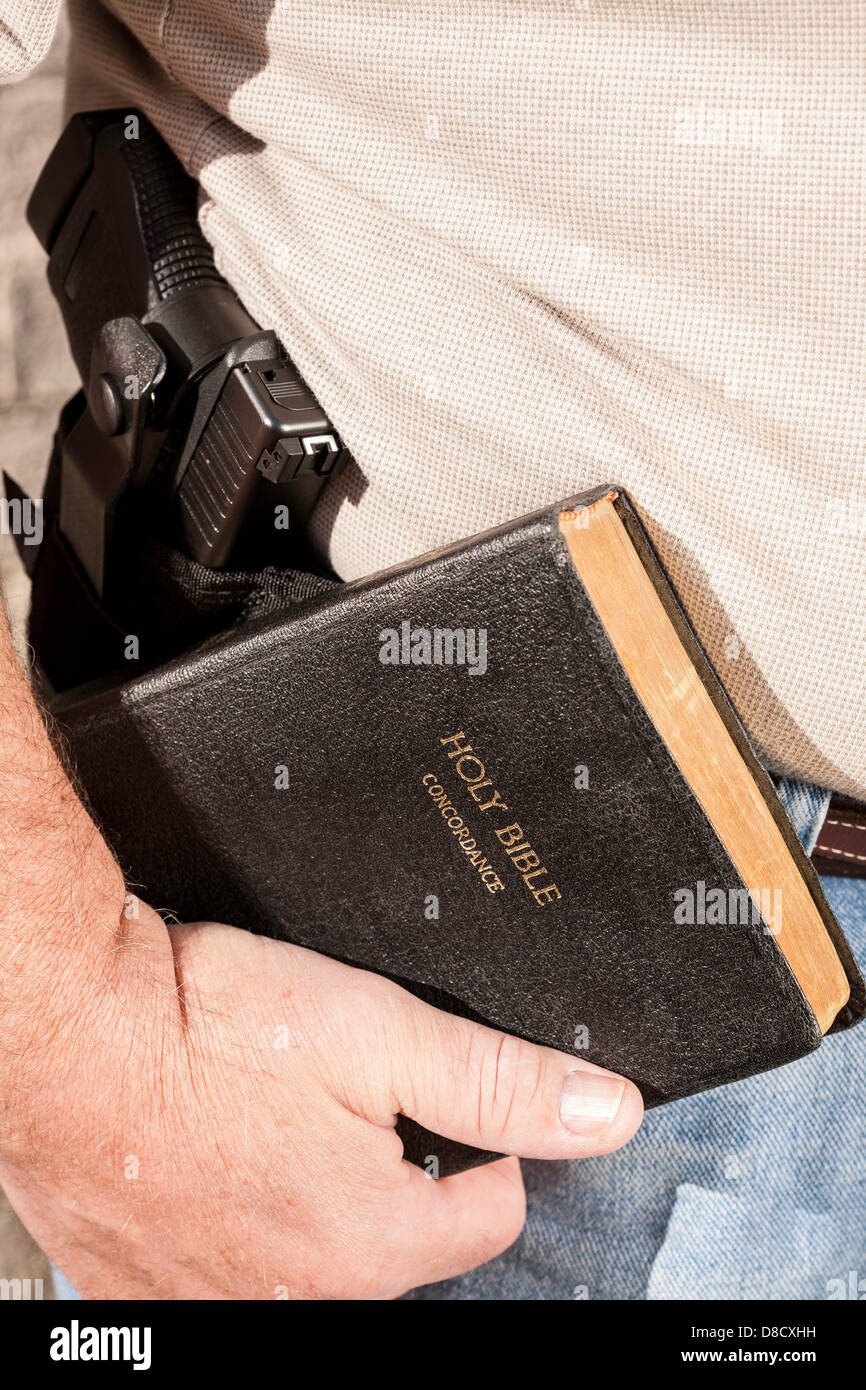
pixel 162 604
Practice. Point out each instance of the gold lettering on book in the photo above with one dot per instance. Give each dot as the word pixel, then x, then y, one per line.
pixel 472 771
pixel 462 834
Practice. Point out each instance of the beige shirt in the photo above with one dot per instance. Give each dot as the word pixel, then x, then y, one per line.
pixel 519 247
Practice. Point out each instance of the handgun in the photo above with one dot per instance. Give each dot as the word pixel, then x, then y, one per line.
pixel 195 420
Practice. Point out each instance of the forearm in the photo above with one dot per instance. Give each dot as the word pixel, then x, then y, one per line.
pixel 61 893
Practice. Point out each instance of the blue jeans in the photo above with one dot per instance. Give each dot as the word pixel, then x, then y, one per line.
pixel 753 1191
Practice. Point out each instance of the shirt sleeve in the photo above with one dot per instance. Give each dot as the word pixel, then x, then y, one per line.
pixel 26 31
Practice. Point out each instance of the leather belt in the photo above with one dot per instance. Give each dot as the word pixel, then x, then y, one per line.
pixel 841 844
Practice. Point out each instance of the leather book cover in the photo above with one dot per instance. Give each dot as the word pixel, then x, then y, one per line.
pixel 444 774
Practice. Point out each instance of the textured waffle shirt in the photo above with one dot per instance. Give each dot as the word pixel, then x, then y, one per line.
pixel 520 247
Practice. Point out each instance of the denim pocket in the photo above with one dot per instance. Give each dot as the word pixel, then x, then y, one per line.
pixel 720 1246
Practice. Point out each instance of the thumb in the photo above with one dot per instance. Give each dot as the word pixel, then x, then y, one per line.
pixel 494 1091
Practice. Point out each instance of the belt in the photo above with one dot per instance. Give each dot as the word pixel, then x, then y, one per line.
pixel 841 843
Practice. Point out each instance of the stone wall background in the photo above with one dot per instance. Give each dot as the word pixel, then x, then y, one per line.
pixel 36 370
pixel 36 377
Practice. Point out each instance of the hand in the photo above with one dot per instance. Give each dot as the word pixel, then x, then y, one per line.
pixel 212 1117
pixel 195 1112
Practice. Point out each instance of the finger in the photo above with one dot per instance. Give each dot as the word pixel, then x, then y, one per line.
pixel 450 1225
pixel 494 1091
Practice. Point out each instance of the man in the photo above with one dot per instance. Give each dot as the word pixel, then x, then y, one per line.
pixel 516 249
